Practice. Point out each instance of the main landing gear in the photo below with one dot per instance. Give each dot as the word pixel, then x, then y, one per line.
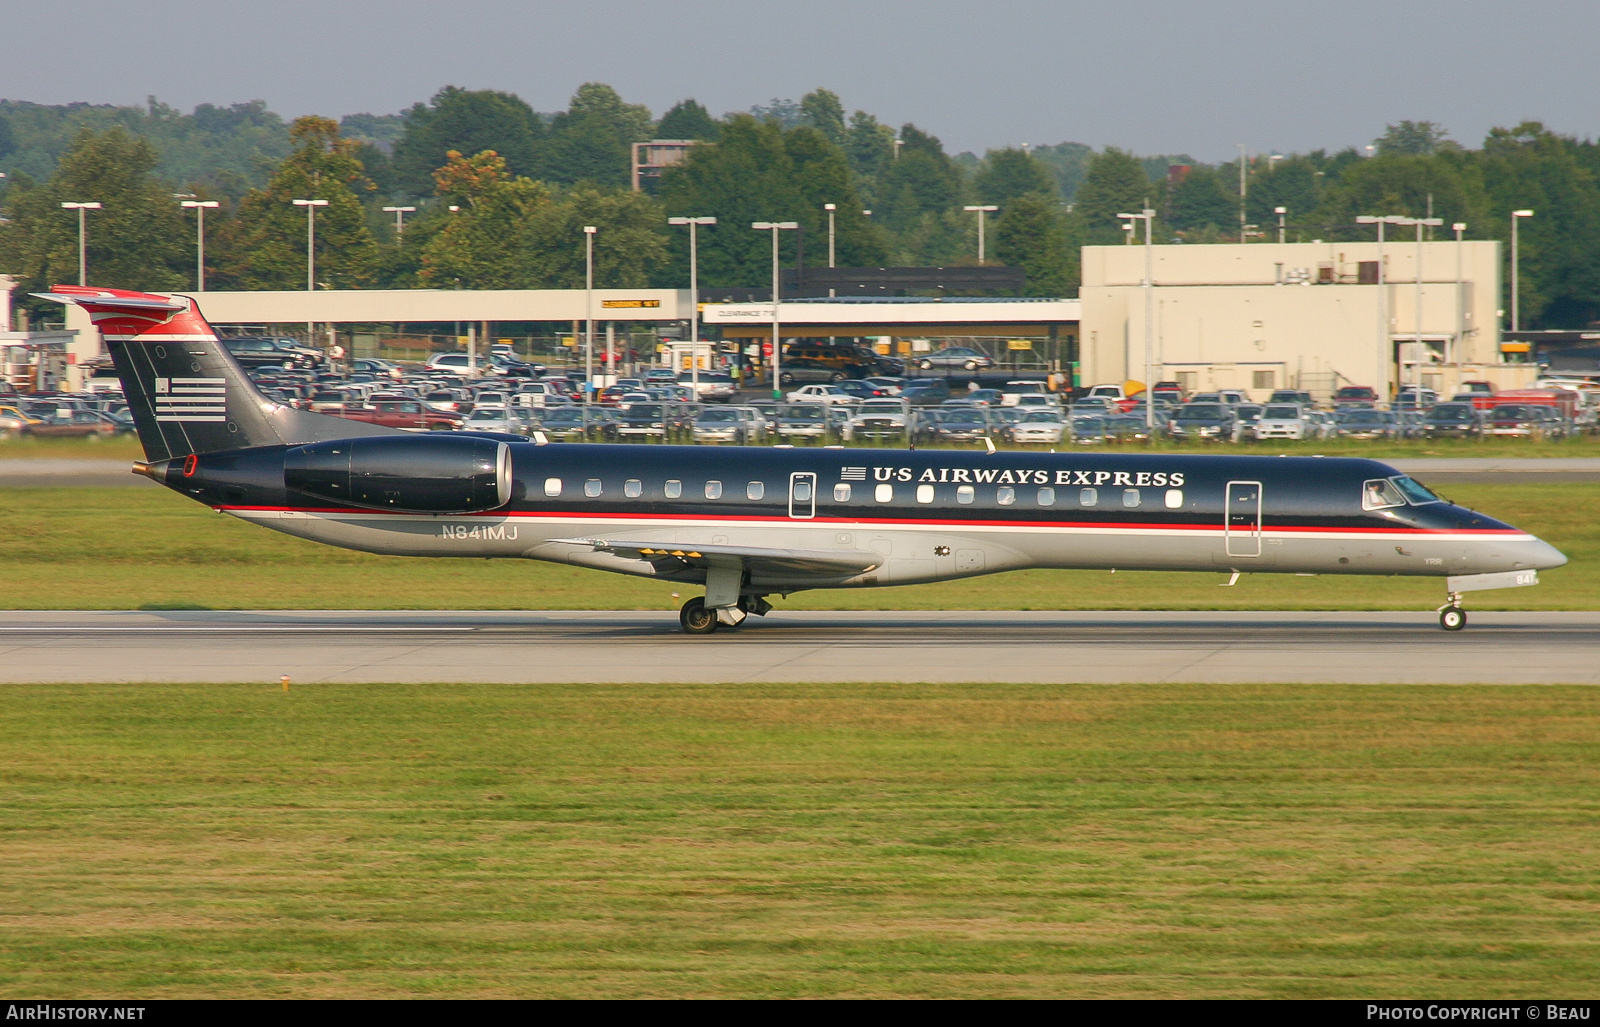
pixel 697 618
pixel 1451 616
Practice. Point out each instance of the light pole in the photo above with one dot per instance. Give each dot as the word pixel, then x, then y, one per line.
pixel 982 210
pixel 399 221
pixel 311 253
pixel 832 209
pixel 1419 223
pixel 1244 187
pixel 1282 213
pixel 588 311
pixel 694 298
pixel 777 350
pixel 1460 228
pixel 200 207
pixel 1516 290
pixel 83 247
pixel 1148 216
pixel 1383 294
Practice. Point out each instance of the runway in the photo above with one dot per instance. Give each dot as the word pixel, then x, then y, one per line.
pixel 609 647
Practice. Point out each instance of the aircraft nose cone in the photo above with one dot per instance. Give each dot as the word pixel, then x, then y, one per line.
pixel 1543 556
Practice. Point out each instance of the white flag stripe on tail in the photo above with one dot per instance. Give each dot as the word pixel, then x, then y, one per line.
pixel 187 418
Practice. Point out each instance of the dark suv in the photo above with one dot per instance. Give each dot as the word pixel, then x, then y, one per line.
pixel 805 362
pixel 272 351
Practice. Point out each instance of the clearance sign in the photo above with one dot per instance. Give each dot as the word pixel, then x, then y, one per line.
pixel 629 304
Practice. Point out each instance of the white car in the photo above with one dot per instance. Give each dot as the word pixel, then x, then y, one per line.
pixel 820 394
pixel 1283 421
pixel 499 419
pixel 714 385
pixel 1039 426
pixel 1037 401
pixel 1011 393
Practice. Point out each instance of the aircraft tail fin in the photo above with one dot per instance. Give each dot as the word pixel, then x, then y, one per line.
pixel 186 392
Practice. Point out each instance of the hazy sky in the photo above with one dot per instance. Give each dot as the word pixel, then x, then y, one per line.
pixel 1156 77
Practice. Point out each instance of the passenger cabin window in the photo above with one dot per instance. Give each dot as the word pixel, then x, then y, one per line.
pixel 552 487
pixel 1088 497
pixel 965 494
pixel 1381 494
pixel 755 490
pixel 674 488
pixel 924 493
pixel 841 493
pixel 633 488
pixel 1174 499
pixel 883 493
pixel 1005 495
pixel 1047 497
pixel 591 488
pixel 1130 498
pixel 713 490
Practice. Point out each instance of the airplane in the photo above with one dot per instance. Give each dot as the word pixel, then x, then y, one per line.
pixel 748 522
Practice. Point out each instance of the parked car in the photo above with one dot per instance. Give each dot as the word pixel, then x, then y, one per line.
pixel 811 361
pixel 1452 420
pixel 1089 430
pixel 726 424
pixel 1283 421
pixel 1355 394
pixel 73 424
pixel 803 421
pixel 1046 427
pixel 878 419
pixel 13 420
pixel 1295 396
pixel 500 419
pixel 955 356
pixel 272 351
pixel 925 391
pixel 1368 423
pixel 409 414
pixel 715 386
pixel 1528 420
pixel 1204 421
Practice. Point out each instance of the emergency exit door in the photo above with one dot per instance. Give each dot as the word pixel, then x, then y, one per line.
pixel 1241 530
pixel 802 495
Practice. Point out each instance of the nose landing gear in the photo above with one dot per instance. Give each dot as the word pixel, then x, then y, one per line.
pixel 1451 616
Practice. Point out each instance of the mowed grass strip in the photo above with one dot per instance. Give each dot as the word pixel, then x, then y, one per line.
pixel 101 548
pixel 805 840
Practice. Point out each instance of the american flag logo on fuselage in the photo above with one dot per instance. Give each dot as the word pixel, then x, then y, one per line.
pixel 853 474
pixel 191 399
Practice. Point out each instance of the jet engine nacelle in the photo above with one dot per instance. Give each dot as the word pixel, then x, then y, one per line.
pixel 411 474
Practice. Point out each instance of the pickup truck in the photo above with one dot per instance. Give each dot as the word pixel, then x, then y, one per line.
pixel 410 414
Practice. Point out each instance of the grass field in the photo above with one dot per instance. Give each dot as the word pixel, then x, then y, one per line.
pixel 114 548
pixel 799 840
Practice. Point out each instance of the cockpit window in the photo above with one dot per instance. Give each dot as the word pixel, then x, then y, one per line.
pixel 1381 494
pixel 1415 493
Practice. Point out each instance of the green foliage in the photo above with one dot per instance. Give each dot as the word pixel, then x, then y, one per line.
pixel 1200 200
pixel 1006 174
pixel 760 172
pixel 1413 139
pixel 1029 234
pixel 468 121
pixel 592 140
pixel 688 119
pixel 1115 184
pixel 266 242
pixel 822 110
pixel 138 240
pixel 1069 162
pixel 219 145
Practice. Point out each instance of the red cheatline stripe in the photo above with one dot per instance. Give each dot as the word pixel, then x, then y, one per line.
pixel 1123 525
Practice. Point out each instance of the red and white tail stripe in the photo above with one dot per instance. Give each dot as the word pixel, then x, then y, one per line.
pixel 126 316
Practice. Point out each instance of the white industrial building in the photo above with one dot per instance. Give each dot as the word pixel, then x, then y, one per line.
pixel 1296 315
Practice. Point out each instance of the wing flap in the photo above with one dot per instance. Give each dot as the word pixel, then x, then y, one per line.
pixel 756 559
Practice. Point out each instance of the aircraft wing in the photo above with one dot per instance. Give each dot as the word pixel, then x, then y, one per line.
pixel 832 563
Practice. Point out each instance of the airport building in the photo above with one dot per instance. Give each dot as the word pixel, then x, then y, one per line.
pixel 1311 316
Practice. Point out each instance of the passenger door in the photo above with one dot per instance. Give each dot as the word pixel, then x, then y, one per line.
pixel 1241 530
pixel 802 495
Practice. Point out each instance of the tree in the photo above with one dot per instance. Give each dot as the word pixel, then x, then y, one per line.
pixel 689 119
pixel 869 145
pixel 468 121
pixel 822 110
pixel 266 242
pixel 1199 201
pixel 1009 173
pixel 137 240
pixel 1413 139
pixel 1029 234
pixel 592 140
pixel 1115 183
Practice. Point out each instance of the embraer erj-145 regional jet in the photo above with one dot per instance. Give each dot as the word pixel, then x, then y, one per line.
pixel 748 522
